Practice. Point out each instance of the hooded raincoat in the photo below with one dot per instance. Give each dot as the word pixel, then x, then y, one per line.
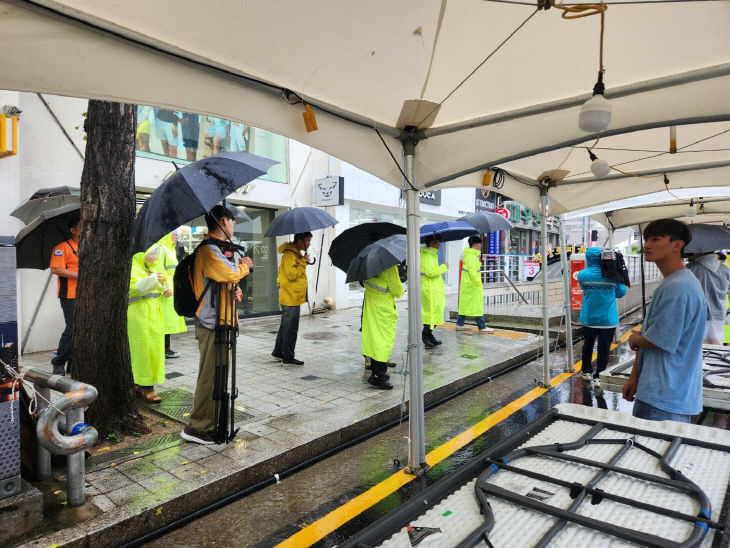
pixel 599 293
pixel 471 297
pixel 292 276
pixel 172 323
pixel 379 314
pixel 432 288
pixel 144 323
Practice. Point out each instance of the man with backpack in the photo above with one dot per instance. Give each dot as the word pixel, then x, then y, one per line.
pixel 215 282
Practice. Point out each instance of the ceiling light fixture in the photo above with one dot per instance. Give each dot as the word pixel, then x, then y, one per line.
pixel 691 211
pixel 595 114
pixel 600 168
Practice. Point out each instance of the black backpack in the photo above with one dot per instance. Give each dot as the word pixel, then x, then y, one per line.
pixel 182 282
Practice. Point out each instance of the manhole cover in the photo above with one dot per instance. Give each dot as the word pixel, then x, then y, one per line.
pixel 309 378
pixel 178 404
pixel 173 375
pixel 321 335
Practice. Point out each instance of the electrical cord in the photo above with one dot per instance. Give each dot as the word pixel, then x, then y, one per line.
pixel 394 160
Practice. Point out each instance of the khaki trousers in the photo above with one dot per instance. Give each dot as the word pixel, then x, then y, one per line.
pixel 202 418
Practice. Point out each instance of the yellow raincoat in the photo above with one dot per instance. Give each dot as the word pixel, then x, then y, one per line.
pixel 292 276
pixel 144 323
pixel 471 298
pixel 432 288
pixel 379 314
pixel 172 323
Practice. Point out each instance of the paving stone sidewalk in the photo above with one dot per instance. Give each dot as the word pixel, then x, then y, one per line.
pixel 289 414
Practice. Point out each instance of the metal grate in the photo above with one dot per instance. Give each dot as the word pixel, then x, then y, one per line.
pixel 178 404
pixel 309 378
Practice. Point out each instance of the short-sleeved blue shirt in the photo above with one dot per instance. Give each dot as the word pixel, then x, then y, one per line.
pixel 670 377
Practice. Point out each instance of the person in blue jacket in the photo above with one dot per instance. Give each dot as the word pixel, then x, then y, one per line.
pixel 598 313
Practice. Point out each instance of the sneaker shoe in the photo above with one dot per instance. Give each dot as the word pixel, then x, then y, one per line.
pixel 293 361
pixel 462 327
pixel 597 383
pixel 486 330
pixel 196 437
pixel 380 382
pixel 171 354
pixel 277 356
pixel 588 377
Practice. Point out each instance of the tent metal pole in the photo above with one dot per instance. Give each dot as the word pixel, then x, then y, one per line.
pixel 416 420
pixel 616 334
pixel 566 297
pixel 545 308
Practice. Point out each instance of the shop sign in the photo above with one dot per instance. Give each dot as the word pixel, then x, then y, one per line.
pixel 576 293
pixel 530 269
pixel 432 197
pixel 493 243
pixel 329 191
pixel 484 200
pixel 503 212
pixel 524 215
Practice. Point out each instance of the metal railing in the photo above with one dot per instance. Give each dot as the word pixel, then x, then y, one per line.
pixel 64 414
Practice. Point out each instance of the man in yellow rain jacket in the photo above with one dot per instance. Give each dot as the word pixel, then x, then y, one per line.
pixel 144 323
pixel 379 318
pixel 172 323
pixel 292 284
pixel 215 279
pixel 471 297
pixel 432 290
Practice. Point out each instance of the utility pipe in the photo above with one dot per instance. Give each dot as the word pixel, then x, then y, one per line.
pixel 545 309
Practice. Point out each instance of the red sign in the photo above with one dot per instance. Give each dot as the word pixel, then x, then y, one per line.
pixel 503 212
pixel 576 293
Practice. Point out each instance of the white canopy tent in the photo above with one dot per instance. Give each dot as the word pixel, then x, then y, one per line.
pixel 707 211
pixel 484 84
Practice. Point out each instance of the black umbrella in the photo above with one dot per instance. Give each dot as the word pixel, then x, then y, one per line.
pixel 191 192
pixel 300 219
pixel 486 222
pixel 43 200
pixel 34 244
pixel 377 257
pixel 352 241
pixel 707 238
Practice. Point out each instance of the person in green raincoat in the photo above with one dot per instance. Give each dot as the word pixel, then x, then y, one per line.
pixel 144 323
pixel 471 296
pixel 432 290
pixel 172 323
pixel 379 318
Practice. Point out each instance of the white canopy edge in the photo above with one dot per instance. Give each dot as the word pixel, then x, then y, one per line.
pixel 713 210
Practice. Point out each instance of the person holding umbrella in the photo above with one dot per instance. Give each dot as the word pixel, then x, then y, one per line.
pixel 432 290
pixel 471 297
pixel 144 323
pixel 292 283
pixel 65 265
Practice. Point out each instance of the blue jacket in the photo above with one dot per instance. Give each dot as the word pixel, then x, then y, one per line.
pixel 599 293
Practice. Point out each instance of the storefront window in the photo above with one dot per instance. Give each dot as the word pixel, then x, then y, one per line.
pixel 171 134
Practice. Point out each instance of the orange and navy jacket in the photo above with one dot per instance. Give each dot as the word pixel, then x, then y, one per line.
pixel 66 255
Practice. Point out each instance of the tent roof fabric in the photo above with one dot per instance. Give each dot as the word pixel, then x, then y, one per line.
pixel 358 64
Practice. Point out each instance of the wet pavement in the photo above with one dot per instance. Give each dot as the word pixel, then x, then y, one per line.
pixel 288 414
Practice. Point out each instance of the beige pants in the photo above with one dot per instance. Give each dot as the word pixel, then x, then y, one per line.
pixel 202 418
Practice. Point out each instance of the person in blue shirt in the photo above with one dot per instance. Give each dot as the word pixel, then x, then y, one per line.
pixel 598 313
pixel 666 380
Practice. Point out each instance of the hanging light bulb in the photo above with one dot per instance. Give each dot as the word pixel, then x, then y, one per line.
pixel 595 114
pixel 691 211
pixel 600 168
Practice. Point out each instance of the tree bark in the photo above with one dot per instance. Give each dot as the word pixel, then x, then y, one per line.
pixel 100 342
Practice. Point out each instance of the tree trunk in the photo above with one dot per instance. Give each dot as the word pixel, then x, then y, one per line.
pixel 100 342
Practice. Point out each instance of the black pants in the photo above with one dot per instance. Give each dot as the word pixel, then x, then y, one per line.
pixel 378 368
pixel 286 338
pixel 604 336
pixel 427 334
pixel 63 354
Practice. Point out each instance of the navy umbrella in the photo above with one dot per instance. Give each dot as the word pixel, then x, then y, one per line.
pixel 300 219
pixel 191 192
pixel 707 238
pixel 377 257
pixel 35 242
pixel 448 231
pixel 485 221
pixel 352 241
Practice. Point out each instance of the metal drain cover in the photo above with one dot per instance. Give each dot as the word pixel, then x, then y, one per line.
pixel 178 404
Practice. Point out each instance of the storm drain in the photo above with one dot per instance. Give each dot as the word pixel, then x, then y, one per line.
pixel 309 378
pixel 177 404
pixel 173 375
pixel 124 454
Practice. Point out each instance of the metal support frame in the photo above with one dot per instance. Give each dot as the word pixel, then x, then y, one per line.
pixel 544 207
pixel 416 420
pixel 506 276
pixel 76 396
pixel 566 297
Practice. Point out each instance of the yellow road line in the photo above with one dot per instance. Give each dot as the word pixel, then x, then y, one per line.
pixel 339 516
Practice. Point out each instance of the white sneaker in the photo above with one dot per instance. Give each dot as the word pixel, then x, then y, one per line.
pixel 486 330
pixel 587 376
pixel 462 328
pixel 596 383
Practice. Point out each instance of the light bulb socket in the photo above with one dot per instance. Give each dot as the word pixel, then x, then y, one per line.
pixel 591 155
pixel 599 88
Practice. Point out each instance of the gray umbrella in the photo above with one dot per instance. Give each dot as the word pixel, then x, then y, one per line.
pixel 377 257
pixel 34 244
pixel 300 219
pixel 707 238
pixel 486 222
pixel 43 200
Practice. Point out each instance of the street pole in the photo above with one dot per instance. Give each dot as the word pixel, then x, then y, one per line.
pixel 616 333
pixel 545 310
pixel 416 420
pixel 566 298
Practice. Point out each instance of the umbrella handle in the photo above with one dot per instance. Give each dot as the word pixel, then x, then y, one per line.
pixel 314 261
